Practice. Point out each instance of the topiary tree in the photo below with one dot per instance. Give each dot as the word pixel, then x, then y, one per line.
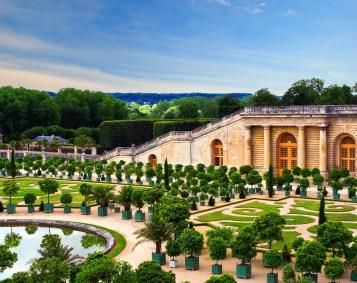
pixel 49 187
pixel 334 236
pixel 310 257
pixel 225 278
pixel 273 259
pixel 30 199
pixel 217 249
pixel 226 233
pixel 153 195
pixel 191 242
pixel 124 197
pixel 151 272
pixel 270 181
pixel 10 188
pixel 334 269
pixel 137 198
pixel 297 243
pixel 318 181
pixel 66 199
pixel 322 215
pixel 85 190
pixel 173 249
pixel 288 274
pixel 269 227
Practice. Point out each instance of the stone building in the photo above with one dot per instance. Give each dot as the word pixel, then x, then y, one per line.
pixel 321 137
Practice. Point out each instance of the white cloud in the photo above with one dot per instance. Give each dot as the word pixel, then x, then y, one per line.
pixel 256 8
pixel 222 2
pixel 290 13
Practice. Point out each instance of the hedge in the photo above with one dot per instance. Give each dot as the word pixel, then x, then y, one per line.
pixel 125 133
pixel 163 127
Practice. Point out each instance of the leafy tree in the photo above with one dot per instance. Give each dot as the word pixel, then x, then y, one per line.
pixel 269 227
pixel 191 241
pixel 288 274
pixel 10 189
pixel 66 199
pixel 322 215
pixel 334 236
pixel 273 259
pixel 225 278
pixel 174 209
pixel 286 254
pixel 297 243
pixel 137 198
pixel 270 181
pixel 157 231
pixel 151 272
pixel 226 233
pixel 303 92
pixel 217 248
pixel 188 109
pixel 12 240
pixel 264 97
pixel 336 95
pixel 173 248
pixel 310 257
pixel 334 269
pixel 7 258
pixel 49 187
pixel 153 194
pixel 103 195
pixel 83 141
pixel 227 105
pixel 244 245
pixel 124 197
pixel 50 269
pixel 85 190
pixel 166 175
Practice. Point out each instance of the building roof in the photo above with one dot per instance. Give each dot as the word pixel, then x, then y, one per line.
pixel 50 138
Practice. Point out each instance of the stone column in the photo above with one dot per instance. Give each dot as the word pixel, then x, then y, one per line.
pixel 301 147
pixel 323 150
pixel 8 154
pixel 94 150
pixel 267 154
pixel 75 150
pixel 59 150
pixel 247 146
pixel 83 155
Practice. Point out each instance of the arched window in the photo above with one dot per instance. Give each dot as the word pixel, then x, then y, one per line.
pixel 287 152
pixel 348 154
pixel 153 160
pixel 217 153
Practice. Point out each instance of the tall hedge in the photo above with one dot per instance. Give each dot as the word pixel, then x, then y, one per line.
pixel 125 133
pixel 163 127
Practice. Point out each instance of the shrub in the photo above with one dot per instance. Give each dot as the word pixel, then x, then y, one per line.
pixel 211 201
pixel 42 206
pixel 163 127
pixel 288 274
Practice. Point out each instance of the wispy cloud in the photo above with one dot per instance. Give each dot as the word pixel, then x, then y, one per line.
pixel 290 13
pixel 223 2
pixel 256 8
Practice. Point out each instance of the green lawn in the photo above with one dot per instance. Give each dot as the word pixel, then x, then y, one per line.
pixel 219 215
pixel 298 219
pixel 315 204
pixel 288 239
pixel 313 229
pixel 251 208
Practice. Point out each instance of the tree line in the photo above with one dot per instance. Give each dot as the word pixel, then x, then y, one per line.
pixel 23 109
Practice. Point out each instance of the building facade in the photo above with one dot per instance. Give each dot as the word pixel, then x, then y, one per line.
pixel 321 137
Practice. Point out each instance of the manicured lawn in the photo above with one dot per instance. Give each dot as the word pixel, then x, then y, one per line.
pixel 314 206
pixel 313 229
pixel 288 239
pixel 251 208
pixel 239 225
pixel 298 219
pixel 218 215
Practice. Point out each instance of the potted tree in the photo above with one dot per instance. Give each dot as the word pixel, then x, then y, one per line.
pixel 273 259
pixel 10 189
pixel 202 198
pixel 279 181
pixel 310 257
pixel 191 242
pixel 287 189
pixel 336 187
pixel 124 198
pixel 173 250
pixel 98 170
pixel 139 172
pixel 318 181
pixel 109 170
pixel 30 199
pixel 103 195
pixel 66 199
pixel 334 269
pixel 157 231
pixel 353 194
pixel 137 200
pixel 85 190
pixel 153 195
pixel 217 250
pixel 129 170
pixel 49 187
pixel 149 173
pixel 304 184
pixel 354 269
pixel 244 247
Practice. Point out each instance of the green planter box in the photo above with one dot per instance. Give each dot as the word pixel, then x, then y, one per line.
pixel 216 269
pixel 354 198
pixel 287 193
pixel 117 209
pixel 311 278
pixel 159 258
pixel 251 190
pixel 126 214
pixel 67 209
pixel 354 275
pixel 223 198
pixel 139 216
pixel 102 211
pixel 244 271
pixel 272 278
pixel 336 196
pixel 48 208
pixel 232 196
pixel 85 210
pixel 30 209
pixel 202 203
pixel 108 179
pixel 192 263
pixel 303 193
pixel 11 208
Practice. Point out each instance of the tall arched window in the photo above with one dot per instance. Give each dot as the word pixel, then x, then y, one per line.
pixel 348 154
pixel 217 153
pixel 287 152
pixel 153 160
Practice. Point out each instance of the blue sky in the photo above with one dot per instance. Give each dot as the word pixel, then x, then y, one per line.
pixel 176 45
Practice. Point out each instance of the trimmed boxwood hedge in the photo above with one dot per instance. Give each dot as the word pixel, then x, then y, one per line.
pixel 127 132
pixel 163 127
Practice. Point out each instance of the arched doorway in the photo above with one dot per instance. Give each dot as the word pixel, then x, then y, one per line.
pixel 153 160
pixel 348 154
pixel 287 152
pixel 217 153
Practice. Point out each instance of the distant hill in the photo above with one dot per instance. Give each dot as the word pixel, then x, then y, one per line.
pixel 152 98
